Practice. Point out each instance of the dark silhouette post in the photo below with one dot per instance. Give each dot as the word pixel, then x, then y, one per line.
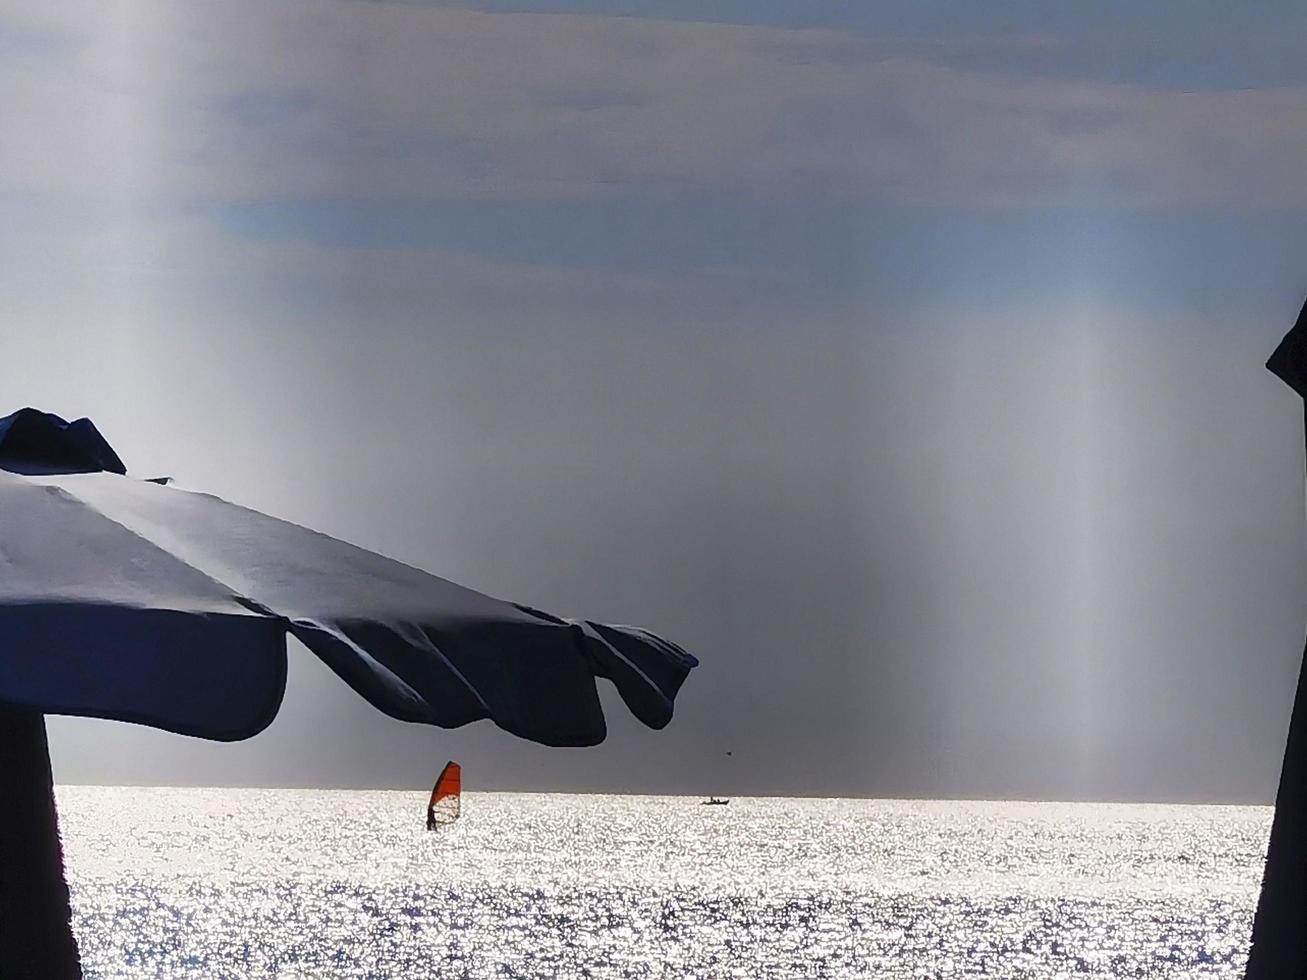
pixel 36 937
pixel 1279 948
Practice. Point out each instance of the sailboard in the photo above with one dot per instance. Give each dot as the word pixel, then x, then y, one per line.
pixel 444 806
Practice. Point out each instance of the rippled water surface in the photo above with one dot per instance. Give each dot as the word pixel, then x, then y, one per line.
pixel 213 883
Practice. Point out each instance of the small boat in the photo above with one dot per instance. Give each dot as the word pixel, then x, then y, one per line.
pixel 714 801
pixel 444 806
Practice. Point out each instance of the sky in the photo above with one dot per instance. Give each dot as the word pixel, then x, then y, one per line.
pixel 904 361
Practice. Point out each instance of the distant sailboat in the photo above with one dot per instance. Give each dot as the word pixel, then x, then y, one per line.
pixel 444 806
pixel 714 801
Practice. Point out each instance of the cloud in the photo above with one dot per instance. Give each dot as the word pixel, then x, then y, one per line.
pixel 81 262
pixel 250 101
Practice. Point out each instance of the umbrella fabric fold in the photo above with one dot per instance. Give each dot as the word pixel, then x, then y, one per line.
pixel 126 599
pixel 42 442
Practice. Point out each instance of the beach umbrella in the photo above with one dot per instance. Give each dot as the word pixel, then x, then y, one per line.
pixel 134 600
pixel 1279 947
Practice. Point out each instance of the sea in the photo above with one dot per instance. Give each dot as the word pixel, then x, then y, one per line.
pixel 313 884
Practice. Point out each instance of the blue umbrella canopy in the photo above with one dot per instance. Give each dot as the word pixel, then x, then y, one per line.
pixel 133 600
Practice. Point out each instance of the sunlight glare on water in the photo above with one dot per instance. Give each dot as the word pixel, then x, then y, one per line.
pixel 217 883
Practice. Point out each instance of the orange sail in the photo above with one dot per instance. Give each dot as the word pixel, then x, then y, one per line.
pixel 444 805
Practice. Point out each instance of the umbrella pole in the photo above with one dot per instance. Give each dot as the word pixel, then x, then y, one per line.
pixel 36 937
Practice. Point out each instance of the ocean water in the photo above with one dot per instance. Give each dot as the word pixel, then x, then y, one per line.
pixel 216 883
